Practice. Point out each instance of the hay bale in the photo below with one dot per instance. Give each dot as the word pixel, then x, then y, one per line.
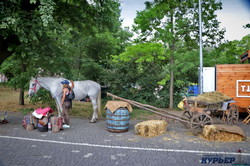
pixel 151 128
pixel 212 97
pixel 223 132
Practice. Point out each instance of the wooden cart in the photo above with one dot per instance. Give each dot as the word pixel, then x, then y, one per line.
pixel 202 113
pixel 193 117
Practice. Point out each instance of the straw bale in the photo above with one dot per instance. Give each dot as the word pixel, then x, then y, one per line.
pixel 151 128
pixel 212 97
pixel 222 132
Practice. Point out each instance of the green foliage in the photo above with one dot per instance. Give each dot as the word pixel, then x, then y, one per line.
pixel 176 25
pixel 26 111
pixel 135 73
pixel 145 52
pixel 45 37
pixel 53 40
pixel 247 26
pixel 226 53
pixel 46 10
pixel 172 21
pixel 133 81
pixel 43 96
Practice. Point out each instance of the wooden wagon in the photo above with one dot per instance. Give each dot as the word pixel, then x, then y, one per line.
pixel 193 117
pixel 202 113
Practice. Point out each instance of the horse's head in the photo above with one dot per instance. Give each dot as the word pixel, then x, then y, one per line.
pixel 34 86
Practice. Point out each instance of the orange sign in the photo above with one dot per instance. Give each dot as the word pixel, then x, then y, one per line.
pixel 243 88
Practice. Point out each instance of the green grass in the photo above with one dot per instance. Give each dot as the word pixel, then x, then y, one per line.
pixel 81 109
pixel 140 114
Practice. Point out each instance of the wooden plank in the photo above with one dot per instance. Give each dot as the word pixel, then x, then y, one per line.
pixel 226 82
pixel 227 66
pixel 234 74
pixel 232 67
pixel 226 86
pixel 150 108
pixel 228 93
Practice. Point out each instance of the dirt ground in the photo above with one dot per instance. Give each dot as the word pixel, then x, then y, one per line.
pixel 9 100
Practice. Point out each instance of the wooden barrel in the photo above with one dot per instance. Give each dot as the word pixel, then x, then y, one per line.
pixel 117 121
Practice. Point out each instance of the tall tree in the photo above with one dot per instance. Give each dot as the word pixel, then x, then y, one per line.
pixel 46 36
pixel 175 24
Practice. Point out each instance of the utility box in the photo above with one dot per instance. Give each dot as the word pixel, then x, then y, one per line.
pixel 208 79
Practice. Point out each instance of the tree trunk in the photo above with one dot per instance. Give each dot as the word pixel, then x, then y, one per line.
pixel 21 94
pixel 21 97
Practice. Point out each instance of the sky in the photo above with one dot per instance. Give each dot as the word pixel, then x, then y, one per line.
pixel 234 15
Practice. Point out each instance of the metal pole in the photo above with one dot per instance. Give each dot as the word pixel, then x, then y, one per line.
pixel 201 55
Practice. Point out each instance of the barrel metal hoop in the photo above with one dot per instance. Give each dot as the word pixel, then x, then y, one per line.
pixel 115 115
pixel 111 125
pixel 117 119
pixel 117 130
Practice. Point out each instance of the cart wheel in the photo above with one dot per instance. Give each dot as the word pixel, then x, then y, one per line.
pixel 199 121
pixel 233 115
pixel 186 116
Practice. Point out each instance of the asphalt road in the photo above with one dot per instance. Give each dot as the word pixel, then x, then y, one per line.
pixel 87 144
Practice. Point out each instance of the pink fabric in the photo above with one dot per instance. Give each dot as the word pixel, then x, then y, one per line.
pixel 44 111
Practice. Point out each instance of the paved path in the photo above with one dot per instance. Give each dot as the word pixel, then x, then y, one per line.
pixel 90 144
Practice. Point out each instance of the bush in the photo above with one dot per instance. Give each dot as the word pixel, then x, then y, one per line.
pixel 43 96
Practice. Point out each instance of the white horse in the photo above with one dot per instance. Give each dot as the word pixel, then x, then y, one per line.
pixel 81 90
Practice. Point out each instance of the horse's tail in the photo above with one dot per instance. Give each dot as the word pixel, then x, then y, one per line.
pixel 99 104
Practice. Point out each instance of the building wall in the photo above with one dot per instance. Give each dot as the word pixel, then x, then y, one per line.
pixel 234 81
pixel 3 78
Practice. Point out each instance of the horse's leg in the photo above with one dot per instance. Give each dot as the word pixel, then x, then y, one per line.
pixel 95 113
pixel 99 104
pixel 58 105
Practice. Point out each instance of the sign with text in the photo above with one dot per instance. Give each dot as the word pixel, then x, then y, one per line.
pixel 243 88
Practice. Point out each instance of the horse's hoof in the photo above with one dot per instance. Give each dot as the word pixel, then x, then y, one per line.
pixel 92 121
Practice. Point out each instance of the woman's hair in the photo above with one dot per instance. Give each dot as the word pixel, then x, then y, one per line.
pixel 65 86
pixel 72 84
